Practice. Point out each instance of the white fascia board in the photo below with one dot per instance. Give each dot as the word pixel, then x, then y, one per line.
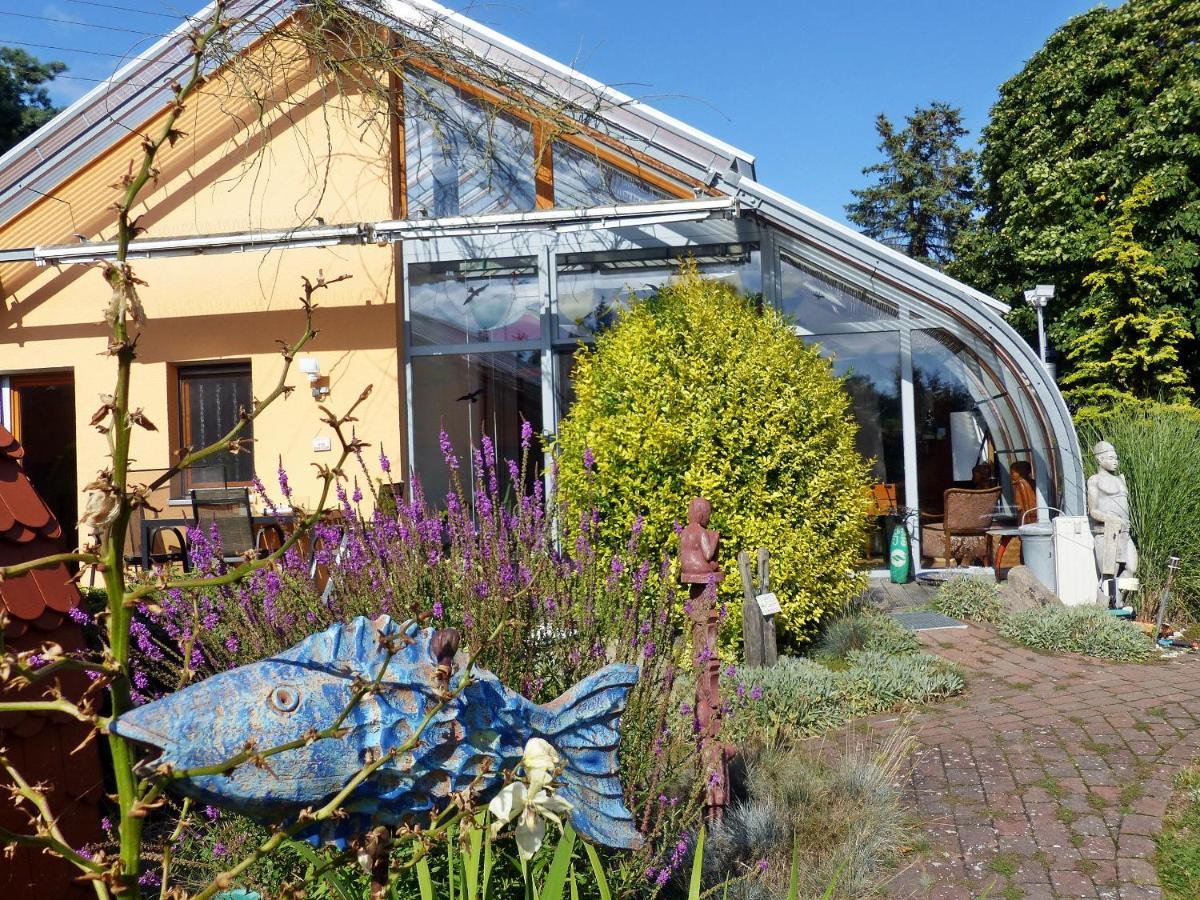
pixel 772 204
pixel 657 129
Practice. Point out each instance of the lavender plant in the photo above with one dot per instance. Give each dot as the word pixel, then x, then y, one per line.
pixel 493 557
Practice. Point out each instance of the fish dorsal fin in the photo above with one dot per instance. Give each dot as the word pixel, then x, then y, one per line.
pixel 355 647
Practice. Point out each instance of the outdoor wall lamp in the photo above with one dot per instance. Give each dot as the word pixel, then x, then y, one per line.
pixel 1038 297
pixel 311 366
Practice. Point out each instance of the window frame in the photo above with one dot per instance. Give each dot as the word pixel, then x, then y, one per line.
pixel 184 375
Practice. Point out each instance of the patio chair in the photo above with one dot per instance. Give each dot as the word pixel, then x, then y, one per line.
pixel 228 509
pixel 962 532
pixel 148 544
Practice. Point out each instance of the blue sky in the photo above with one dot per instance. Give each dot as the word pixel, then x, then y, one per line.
pixel 798 84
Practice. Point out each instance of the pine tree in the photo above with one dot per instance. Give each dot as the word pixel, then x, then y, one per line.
pixel 1126 337
pixel 24 101
pixel 925 193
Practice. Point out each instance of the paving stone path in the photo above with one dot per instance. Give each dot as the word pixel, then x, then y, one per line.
pixel 1049 776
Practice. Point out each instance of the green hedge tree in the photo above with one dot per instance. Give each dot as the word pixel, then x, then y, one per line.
pixel 696 392
pixel 1112 97
pixel 1126 340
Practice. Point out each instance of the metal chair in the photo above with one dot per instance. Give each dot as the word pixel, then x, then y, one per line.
pixel 146 543
pixel 962 532
pixel 228 509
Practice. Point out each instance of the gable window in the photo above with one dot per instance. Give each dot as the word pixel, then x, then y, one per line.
pixel 211 398
pixel 462 156
pixel 581 180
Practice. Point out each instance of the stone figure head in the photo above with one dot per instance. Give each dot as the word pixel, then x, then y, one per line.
pixel 1106 456
pixel 699 512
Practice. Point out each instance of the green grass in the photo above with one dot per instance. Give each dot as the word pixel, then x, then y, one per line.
pixel 1178 855
pixel 1051 786
pixel 1004 864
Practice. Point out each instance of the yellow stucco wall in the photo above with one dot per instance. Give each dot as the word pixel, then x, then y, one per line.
pixel 316 152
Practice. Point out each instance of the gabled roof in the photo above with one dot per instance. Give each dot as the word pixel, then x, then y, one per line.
pixel 97 120
pixel 94 122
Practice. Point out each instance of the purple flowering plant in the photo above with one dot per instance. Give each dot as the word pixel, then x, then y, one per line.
pixel 494 551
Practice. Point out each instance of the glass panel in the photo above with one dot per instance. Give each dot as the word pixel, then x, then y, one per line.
pixel 818 302
pixel 581 179
pixel 210 400
pixel 469 396
pixel 955 446
pixel 564 380
pixel 474 302
pixel 593 286
pixel 870 365
pixel 461 156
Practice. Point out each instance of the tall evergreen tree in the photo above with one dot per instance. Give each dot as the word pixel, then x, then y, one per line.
pixel 1113 96
pixel 24 101
pixel 1126 338
pixel 925 192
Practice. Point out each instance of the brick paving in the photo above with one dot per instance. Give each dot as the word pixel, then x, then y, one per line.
pixel 1049 776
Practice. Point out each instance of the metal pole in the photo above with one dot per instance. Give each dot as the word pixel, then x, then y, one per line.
pixel 1041 337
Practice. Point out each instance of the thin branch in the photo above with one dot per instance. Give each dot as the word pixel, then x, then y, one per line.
pixel 257 408
pixel 62 706
pixel 46 562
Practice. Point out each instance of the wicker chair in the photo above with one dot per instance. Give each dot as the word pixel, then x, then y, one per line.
pixel 962 532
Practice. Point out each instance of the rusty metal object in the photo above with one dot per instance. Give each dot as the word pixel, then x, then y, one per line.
pixel 699 569
pixel 467 746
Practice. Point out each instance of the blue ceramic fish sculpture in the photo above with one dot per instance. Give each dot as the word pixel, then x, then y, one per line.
pixel 478 735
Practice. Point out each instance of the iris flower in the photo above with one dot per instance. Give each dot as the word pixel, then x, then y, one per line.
pixel 532 801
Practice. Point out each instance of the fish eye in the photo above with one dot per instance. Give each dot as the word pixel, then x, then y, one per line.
pixel 285 698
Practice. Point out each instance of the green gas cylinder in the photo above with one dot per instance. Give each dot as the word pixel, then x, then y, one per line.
pixel 900 555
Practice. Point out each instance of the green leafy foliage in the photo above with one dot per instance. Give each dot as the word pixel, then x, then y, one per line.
pixel 830 828
pixel 1111 98
pixel 697 392
pixel 1159 448
pixel 1087 630
pixel 925 193
pixel 1127 341
pixel 1078 629
pixel 976 599
pixel 24 102
pixel 803 697
pixel 1178 852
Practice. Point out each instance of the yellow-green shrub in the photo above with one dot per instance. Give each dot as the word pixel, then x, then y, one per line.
pixel 696 392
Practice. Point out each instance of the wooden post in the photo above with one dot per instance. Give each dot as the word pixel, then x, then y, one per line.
pixel 752 619
pixel 770 652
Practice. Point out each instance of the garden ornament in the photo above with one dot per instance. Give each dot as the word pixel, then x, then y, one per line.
pixel 1108 508
pixel 480 734
pixel 699 569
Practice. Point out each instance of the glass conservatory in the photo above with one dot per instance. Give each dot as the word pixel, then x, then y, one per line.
pixel 946 396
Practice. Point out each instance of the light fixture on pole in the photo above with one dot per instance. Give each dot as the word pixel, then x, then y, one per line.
pixel 1038 297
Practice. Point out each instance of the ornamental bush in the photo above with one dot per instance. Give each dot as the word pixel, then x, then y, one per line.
pixel 697 391
pixel 1078 629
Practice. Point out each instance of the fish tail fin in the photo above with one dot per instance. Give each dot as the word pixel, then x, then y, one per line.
pixel 582 726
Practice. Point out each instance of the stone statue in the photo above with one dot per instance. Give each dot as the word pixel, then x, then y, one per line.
pixel 1108 508
pixel 698 546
